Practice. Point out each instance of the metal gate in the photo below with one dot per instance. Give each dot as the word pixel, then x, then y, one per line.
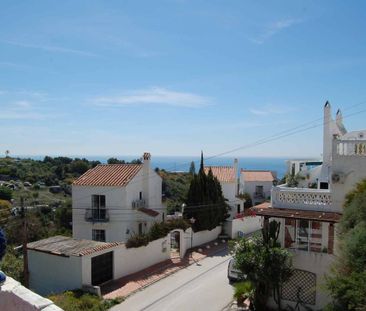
pixel 102 268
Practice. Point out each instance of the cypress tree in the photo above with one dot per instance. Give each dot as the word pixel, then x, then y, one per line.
pixel 205 201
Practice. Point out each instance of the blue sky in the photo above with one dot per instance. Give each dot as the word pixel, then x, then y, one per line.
pixel 174 77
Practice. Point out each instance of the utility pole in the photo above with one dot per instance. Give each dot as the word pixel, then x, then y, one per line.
pixel 25 242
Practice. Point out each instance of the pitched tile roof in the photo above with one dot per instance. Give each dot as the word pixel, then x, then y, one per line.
pixel 257 175
pixel 222 173
pixel 66 246
pixel 148 211
pixel 108 175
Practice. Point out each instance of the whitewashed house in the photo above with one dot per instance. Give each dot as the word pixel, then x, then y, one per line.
pixel 257 183
pixel 114 201
pixel 228 178
pixel 309 216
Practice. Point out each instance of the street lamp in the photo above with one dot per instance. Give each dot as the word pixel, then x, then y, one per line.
pixel 192 221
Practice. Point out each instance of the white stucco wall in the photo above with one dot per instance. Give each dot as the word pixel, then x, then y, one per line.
pixel 51 273
pixel 246 225
pixel 229 191
pixel 122 218
pixel 353 167
pixel 15 297
pixel 318 263
pixel 202 237
pixel 130 260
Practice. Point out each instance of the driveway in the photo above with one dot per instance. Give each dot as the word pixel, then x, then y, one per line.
pixel 202 286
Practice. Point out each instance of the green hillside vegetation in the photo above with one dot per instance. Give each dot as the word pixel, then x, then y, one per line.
pixel 175 188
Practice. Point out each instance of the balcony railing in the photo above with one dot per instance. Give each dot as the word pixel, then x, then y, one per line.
pixel 138 203
pixel 96 215
pixel 351 147
pixel 301 198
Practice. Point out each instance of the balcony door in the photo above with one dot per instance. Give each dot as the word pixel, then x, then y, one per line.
pixel 98 207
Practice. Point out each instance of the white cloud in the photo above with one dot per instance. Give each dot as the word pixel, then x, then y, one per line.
pixel 270 109
pixel 50 48
pixel 154 96
pixel 23 104
pixel 275 28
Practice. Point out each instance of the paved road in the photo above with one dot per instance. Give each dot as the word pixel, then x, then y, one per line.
pixel 198 287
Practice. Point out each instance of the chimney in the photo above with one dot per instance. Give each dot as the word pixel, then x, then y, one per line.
pixel 146 177
pixel 339 123
pixel 236 167
pixel 327 134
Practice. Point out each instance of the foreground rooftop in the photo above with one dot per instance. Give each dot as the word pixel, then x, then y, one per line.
pixel 66 246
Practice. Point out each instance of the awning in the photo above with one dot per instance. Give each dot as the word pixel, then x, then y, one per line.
pixel 267 211
pixel 148 211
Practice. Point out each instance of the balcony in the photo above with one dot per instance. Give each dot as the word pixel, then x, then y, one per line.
pixel 138 204
pixel 351 147
pixel 96 215
pixel 302 198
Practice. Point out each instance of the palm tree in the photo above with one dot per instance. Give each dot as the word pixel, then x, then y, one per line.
pixel 7 152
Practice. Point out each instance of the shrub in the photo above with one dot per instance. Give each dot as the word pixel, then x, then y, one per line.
pixel 179 223
pixel 137 240
pixel 78 300
pixel 158 231
pixel 243 290
pixel 5 193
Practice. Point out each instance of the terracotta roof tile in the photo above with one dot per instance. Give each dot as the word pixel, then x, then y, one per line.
pixel 222 173
pixel 109 175
pixel 148 211
pixel 257 175
pixel 66 246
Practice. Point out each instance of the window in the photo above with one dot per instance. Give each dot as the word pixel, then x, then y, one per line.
pixel 316 236
pixel 303 235
pixel 238 208
pixel 290 233
pixel 324 185
pixel 259 191
pixel 98 207
pixel 140 228
pixel 140 196
pixel 98 235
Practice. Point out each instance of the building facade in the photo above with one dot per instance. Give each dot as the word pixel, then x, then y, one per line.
pixel 257 183
pixel 309 216
pixel 114 201
pixel 228 178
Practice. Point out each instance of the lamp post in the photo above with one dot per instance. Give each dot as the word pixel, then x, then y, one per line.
pixel 192 221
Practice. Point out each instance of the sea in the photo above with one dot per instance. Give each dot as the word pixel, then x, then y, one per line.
pixel 182 163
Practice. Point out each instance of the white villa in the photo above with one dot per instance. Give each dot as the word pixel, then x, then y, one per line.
pixel 114 201
pixel 309 216
pixel 228 178
pixel 257 184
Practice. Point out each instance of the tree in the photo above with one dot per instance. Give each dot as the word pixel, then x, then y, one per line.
pixel 115 161
pixel 264 264
pixel 5 193
pixel 205 201
pixel 79 166
pixel 192 169
pixel 347 282
pixel 7 152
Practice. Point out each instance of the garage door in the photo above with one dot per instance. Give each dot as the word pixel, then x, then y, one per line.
pixel 102 268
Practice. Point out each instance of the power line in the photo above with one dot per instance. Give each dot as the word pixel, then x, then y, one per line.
pixel 275 137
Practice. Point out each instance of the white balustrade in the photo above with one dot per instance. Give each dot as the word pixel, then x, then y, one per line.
pixel 351 147
pixel 301 198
